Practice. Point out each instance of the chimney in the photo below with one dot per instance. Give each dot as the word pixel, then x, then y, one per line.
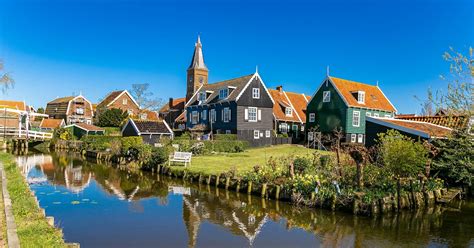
pixel 280 88
pixel 170 103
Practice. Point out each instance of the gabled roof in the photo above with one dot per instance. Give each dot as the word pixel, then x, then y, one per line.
pixel 282 102
pixel 422 129
pixel 454 121
pixel 197 62
pixel 237 85
pixel 65 99
pixel 52 123
pixel 150 127
pixel 181 117
pixel 374 97
pixel 87 127
pixel 177 103
pixel 113 96
pixel 150 115
pixel 299 102
pixel 17 105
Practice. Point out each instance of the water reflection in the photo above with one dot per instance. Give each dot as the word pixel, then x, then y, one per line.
pixel 140 209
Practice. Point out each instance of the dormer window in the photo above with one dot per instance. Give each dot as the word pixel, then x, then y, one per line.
pixel 361 97
pixel 223 93
pixel 202 96
pixel 288 111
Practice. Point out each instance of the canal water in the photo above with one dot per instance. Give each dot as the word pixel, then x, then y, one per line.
pixel 103 206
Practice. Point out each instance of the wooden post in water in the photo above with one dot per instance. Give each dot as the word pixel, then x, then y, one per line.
pixel 227 182
pixel 264 190
pixel 398 193
pixel 277 193
pixel 237 188
pixel 249 188
pixel 217 180
pixel 209 180
pixel 200 179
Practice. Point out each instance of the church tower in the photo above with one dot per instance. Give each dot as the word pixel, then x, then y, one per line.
pixel 197 71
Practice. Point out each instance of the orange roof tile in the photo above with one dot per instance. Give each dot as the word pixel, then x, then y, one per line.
pixel 282 102
pixel 374 97
pixel 455 122
pixel 51 123
pixel 18 105
pixel 299 102
pixel 177 103
pixel 432 130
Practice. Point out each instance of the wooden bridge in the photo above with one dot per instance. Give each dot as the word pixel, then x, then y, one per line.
pixel 15 125
pixel 21 134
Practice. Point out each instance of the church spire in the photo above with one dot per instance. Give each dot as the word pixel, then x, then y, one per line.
pixel 197 61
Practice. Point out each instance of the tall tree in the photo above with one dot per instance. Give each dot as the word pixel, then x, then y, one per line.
pixel 145 97
pixel 458 98
pixel 6 81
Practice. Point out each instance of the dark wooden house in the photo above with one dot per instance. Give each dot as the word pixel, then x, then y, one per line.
pixel 73 109
pixel 241 106
pixel 150 131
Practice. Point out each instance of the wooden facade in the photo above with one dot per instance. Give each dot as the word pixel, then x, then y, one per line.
pixel 151 132
pixel 121 99
pixel 73 109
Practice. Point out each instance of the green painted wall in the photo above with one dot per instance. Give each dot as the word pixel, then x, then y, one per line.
pixel 329 115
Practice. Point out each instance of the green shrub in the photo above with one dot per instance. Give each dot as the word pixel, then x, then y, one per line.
pixel 130 142
pixel 159 156
pixel 302 164
pixel 99 142
pixel 225 136
pixel 63 134
pixel 209 146
pixel 111 118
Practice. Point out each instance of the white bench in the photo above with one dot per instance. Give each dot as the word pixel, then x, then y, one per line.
pixel 184 157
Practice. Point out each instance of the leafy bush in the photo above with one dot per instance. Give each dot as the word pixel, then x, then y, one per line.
pixel 302 164
pixel 159 156
pixel 130 142
pixel 63 134
pixel 225 136
pixel 208 146
pixel 111 118
pixel 402 155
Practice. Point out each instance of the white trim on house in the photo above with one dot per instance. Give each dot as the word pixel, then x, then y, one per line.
pixel 80 95
pixel 130 120
pixel 293 108
pixel 75 124
pixel 255 75
pixel 401 128
pixel 115 99
pixel 396 111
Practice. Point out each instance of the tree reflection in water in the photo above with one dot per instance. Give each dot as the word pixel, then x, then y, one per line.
pixel 246 216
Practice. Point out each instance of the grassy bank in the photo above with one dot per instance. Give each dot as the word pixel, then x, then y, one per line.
pixel 219 163
pixel 3 225
pixel 32 228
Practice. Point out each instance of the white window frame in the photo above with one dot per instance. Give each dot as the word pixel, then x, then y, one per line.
pixel 202 96
pixel 361 97
pixel 124 101
pixel 353 138
pixel 268 134
pixel 226 114
pixel 194 117
pixel 294 128
pixel 228 132
pixel 223 93
pixel 251 114
pixel 312 117
pixel 283 127
pixel 256 93
pixel 288 111
pixel 256 134
pixel 388 116
pixel 376 115
pixel 143 116
pixel 326 96
pixel 212 115
pixel 356 118
pixel 204 114
pixel 360 138
pixel 368 114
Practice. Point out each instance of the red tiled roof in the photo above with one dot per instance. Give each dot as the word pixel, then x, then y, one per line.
pixel 177 103
pixel 374 97
pixel 18 105
pixel 281 102
pixel 299 102
pixel 112 96
pixel 432 130
pixel 455 122
pixel 51 123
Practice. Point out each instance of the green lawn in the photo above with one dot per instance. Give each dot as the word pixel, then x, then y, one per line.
pixel 3 224
pixel 32 228
pixel 219 163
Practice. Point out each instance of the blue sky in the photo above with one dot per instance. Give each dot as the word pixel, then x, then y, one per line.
pixel 57 48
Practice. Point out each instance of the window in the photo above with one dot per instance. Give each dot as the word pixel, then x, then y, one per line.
pixel 256 93
pixel 326 96
pixel 130 112
pixel 356 118
pixel 361 97
pixel 360 138
pixel 204 114
pixel 388 116
pixel 302 128
pixel 125 101
pixel 226 115
pixel 202 96
pixel 213 115
pixel 267 134
pixel 194 117
pixel 252 114
pixel 283 127
pixel 223 93
pixel 143 116
pixel 312 117
pixel 353 138
pixel 376 114
pixel 295 127
pixel 228 132
pixel 256 134
pixel 368 114
pixel 288 111
pixel 80 111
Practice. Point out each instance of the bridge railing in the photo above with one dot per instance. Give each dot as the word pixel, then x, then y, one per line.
pixel 25 134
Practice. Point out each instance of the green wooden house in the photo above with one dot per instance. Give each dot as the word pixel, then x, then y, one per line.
pixel 343 103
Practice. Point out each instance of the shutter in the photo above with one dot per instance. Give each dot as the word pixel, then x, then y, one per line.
pixel 230 115
pixel 246 116
pixel 259 114
pixel 222 114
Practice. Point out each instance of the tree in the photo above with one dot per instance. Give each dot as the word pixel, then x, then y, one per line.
pixel 145 98
pixel 458 98
pixel 401 155
pixel 40 110
pixel 6 81
pixel 111 118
